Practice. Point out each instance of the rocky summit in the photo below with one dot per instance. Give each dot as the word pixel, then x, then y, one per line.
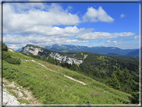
pixel 35 50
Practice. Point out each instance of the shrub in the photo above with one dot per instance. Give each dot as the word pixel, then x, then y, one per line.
pixel 4 47
pixel 13 60
pixel 5 55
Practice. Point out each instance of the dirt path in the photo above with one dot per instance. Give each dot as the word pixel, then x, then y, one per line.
pixel 19 92
pixel 42 65
pixel 75 80
pixel 57 72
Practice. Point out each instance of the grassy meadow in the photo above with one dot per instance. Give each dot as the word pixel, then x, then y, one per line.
pixel 50 86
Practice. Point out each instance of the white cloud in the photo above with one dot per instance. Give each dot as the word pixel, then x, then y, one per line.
pixel 108 41
pixel 136 37
pixel 117 43
pixel 54 31
pixel 122 45
pixel 122 15
pixel 68 8
pixel 95 15
pixel 38 39
pixel 17 19
pixel 14 46
pixel 104 35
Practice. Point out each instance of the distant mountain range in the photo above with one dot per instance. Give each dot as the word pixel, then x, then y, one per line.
pixel 134 53
pixel 113 51
pixel 108 51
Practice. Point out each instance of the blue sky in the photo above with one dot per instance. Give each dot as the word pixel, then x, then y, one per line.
pixel 87 24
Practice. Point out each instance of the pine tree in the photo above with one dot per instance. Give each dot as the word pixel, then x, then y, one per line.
pixel 73 67
pixel 43 58
pixel 127 76
pixel 114 82
pixel 135 94
pixel 119 76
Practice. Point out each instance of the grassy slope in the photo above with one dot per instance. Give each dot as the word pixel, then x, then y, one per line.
pixel 54 88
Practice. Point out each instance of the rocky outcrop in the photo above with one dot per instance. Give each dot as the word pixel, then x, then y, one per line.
pixel 30 49
pixel 9 99
pixel 65 58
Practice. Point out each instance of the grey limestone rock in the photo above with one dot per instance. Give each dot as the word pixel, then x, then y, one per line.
pixel 39 51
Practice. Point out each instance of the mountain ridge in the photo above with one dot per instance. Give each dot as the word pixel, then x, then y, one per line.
pixel 99 50
pixel 69 49
pixel 39 51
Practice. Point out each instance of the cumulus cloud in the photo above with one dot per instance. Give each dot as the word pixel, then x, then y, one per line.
pixel 40 24
pixel 104 35
pixel 117 43
pixel 108 41
pixel 95 15
pixel 13 46
pixel 54 31
pixel 122 15
pixel 136 37
pixel 37 39
pixel 68 8
pixel 19 17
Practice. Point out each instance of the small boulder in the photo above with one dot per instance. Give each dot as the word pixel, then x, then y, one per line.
pixel 20 94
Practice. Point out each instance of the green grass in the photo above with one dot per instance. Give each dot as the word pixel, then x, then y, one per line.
pixel 22 101
pixel 54 88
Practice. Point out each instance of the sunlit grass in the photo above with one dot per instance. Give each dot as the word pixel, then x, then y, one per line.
pixel 54 88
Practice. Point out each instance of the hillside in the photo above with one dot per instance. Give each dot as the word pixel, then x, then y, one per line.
pixel 99 67
pixel 52 84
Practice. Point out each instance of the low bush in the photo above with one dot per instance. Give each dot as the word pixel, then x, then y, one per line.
pixel 6 56
pixel 13 60
pixel 4 47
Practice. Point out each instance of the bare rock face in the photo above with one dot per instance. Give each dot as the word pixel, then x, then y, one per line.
pixel 32 50
pixel 65 59
pixel 9 99
pixel 40 51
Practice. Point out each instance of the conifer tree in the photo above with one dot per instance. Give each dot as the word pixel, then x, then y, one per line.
pixel 114 82
pixel 119 75
pixel 43 58
pixel 127 76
